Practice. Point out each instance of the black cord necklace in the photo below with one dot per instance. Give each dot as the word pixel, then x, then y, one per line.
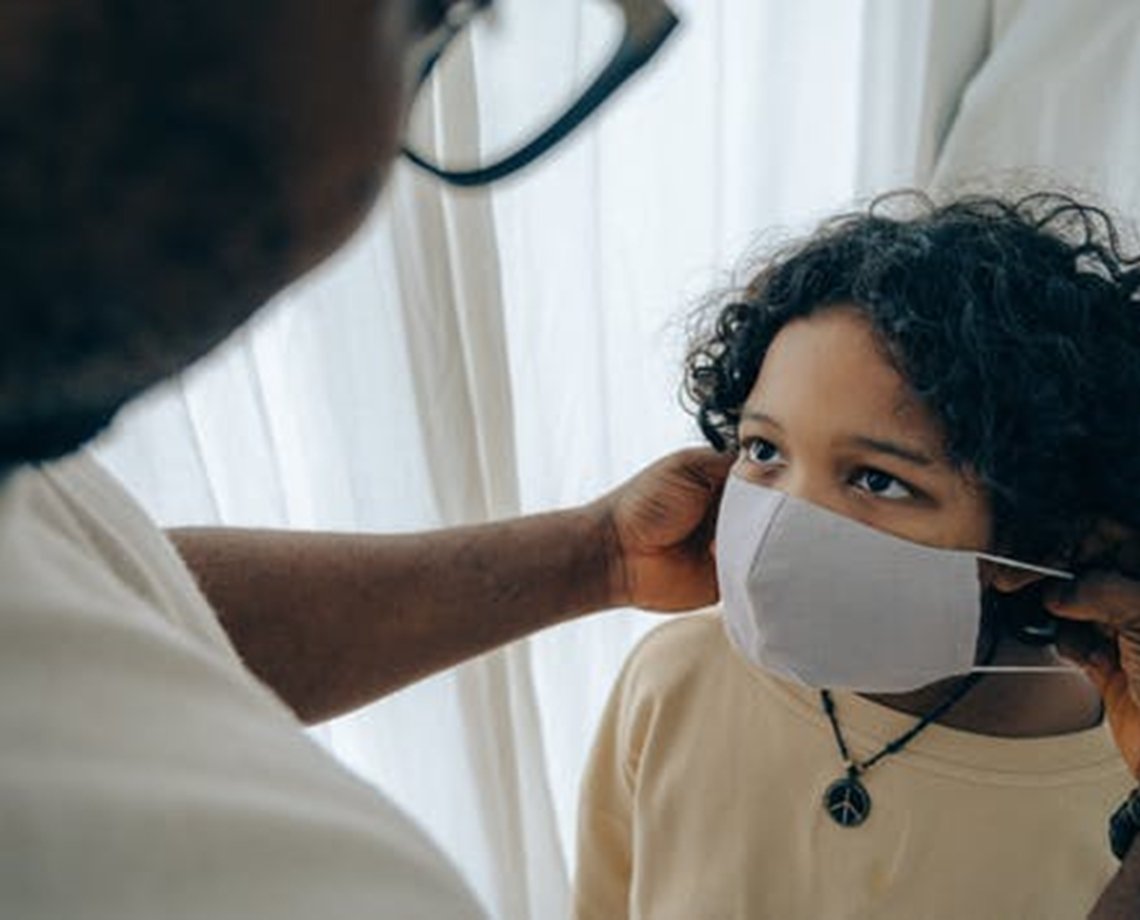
pixel 847 799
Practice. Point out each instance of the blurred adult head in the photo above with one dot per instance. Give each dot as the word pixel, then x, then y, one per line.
pixel 167 165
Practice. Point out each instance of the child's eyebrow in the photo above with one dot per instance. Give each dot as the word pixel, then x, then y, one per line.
pixel 891 448
pixel 756 415
pixel 895 450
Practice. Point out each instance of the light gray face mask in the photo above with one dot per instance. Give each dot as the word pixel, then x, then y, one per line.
pixel 830 602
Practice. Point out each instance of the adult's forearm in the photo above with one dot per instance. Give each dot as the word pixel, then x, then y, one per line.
pixel 1121 899
pixel 333 621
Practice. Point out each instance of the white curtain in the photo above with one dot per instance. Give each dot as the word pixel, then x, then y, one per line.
pixel 471 356
pixel 981 94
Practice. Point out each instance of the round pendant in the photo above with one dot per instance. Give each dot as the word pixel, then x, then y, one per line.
pixel 847 801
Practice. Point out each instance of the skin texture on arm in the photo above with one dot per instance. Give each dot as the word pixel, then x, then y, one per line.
pixel 334 621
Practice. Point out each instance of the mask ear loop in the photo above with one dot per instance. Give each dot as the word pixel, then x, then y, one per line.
pixel 1022 616
pixel 1026 566
pixel 1030 622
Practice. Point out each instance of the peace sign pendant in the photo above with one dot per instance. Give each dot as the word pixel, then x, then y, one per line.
pixel 847 801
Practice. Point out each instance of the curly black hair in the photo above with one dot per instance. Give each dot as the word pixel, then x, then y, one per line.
pixel 1015 322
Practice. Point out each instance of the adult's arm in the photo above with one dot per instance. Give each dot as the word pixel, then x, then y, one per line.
pixel 333 621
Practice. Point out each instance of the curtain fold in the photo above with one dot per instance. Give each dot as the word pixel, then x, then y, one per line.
pixel 1057 102
pixel 1002 94
pixel 918 58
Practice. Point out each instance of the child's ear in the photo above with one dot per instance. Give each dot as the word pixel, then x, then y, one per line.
pixel 1009 580
pixel 1005 578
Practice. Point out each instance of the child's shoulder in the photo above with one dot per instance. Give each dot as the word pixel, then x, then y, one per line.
pixel 687 635
pixel 677 652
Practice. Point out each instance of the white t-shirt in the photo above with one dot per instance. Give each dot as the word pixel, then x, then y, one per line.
pixel 144 772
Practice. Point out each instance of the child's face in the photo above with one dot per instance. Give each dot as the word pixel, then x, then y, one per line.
pixel 831 421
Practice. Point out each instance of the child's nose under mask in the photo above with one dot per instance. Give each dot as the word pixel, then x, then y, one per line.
pixel 829 602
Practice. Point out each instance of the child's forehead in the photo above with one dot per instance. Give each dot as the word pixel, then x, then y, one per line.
pixel 831 368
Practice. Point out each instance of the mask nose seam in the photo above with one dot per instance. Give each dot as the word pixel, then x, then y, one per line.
pixel 761 541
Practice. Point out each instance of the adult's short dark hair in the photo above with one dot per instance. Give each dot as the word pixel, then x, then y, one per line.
pixel 135 191
pixel 1015 322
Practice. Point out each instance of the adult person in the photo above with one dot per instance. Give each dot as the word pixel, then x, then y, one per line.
pixel 164 168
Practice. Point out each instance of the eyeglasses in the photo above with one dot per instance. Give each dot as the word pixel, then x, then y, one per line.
pixel 611 40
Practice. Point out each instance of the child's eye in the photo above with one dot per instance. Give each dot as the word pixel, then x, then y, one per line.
pixel 882 485
pixel 760 451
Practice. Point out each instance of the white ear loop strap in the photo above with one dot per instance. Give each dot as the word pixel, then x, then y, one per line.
pixel 1027 566
pixel 1026 669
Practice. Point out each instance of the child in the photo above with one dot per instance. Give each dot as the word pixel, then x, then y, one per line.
pixel 965 377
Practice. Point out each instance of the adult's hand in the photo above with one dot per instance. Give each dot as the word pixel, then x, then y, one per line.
pixel 333 621
pixel 662 524
pixel 1103 635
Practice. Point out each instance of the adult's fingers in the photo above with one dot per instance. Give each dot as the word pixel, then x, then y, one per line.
pixel 1087 646
pixel 1107 598
pixel 1082 642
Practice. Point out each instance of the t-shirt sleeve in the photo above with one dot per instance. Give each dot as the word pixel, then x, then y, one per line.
pixel 145 772
pixel 606 804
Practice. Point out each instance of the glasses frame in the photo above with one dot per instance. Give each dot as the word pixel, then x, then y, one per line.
pixel 648 23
